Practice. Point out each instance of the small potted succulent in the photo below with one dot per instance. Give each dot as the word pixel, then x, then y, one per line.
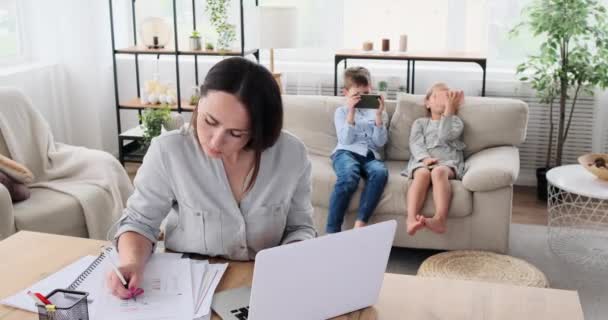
pixel 383 89
pixel 195 96
pixel 195 41
pixel 209 46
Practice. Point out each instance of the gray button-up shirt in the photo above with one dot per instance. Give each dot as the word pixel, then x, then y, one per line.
pixel 179 181
pixel 364 135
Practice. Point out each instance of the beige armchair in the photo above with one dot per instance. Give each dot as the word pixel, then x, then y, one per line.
pixel 76 191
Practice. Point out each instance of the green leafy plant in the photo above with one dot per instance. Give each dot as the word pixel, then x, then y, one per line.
pixel 382 86
pixel 572 58
pixel 218 16
pixel 209 46
pixel 195 34
pixel 152 121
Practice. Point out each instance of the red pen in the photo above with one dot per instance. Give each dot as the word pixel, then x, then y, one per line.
pixel 42 298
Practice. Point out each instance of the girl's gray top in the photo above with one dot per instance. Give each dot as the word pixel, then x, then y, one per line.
pixel 178 181
pixel 438 139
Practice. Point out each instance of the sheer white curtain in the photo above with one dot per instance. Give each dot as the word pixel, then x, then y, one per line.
pixel 69 71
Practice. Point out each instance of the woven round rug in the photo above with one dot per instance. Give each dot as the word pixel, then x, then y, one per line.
pixel 483 266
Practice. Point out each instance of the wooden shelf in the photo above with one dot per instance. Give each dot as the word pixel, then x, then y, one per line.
pixel 135 103
pixel 230 53
pixel 171 51
pixel 145 50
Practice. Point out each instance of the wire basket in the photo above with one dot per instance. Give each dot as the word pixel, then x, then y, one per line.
pixel 69 305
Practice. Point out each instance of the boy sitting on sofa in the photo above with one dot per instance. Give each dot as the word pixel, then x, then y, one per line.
pixel 362 133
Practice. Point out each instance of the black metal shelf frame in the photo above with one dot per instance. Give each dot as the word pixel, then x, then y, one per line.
pixel 125 152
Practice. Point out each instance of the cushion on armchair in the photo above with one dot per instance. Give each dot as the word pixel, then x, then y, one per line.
pixel 18 191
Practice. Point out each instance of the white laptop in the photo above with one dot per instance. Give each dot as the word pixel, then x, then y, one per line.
pixel 314 279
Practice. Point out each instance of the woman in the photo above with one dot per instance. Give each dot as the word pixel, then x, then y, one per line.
pixel 232 185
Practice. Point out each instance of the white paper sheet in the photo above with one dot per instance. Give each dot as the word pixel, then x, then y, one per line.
pixel 199 267
pixel 167 294
pixel 212 278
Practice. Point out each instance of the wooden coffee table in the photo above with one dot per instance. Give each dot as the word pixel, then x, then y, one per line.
pixel 27 257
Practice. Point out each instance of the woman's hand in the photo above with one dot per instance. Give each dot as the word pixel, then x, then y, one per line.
pixel 132 273
pixel 453 102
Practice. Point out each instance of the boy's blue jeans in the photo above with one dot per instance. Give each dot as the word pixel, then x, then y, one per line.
pixel 349 168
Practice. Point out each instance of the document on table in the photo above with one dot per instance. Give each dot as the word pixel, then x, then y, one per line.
pixel 206 277
pixel 167 294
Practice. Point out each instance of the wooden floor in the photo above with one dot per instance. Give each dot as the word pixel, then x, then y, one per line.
pixel 526 208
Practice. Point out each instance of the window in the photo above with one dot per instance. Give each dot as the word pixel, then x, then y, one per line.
pixel 10 46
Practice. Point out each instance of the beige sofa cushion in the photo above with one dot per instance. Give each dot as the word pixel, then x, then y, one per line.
pixel 409 108
pixel 492 169
pixel 51 212
pixel 488 122
pixel 311 118
pixel 393 200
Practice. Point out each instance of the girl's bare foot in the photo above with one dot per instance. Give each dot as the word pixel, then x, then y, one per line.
pixel 415 224
pixel 359 224
pixel 436 224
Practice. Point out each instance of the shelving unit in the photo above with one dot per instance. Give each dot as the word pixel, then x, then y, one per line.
pixel 130 147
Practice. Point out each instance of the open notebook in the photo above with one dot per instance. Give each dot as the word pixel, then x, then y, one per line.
pixel 168 293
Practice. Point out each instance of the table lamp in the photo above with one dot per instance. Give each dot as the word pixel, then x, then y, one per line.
pixel 278 30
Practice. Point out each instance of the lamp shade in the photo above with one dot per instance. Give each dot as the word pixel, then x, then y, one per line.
pixel 155 32
pixel 278 27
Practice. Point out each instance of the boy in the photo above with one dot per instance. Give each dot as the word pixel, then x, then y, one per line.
pixel 362 133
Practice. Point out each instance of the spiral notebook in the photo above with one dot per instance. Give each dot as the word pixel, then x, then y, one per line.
pixel 193 294
pixel 80 275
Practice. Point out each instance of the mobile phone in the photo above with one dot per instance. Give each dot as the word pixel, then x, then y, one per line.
pixel 369 101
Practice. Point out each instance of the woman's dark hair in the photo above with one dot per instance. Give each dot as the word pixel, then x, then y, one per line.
pixel 255 87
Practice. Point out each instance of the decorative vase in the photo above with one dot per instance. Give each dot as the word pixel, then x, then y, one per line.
pixel 386 45
pixel 403 43
pixel 175 122
pixel 195 43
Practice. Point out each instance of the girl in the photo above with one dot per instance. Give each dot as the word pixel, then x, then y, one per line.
pixel 436 157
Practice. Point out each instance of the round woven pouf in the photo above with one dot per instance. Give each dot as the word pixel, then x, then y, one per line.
pixel 483 266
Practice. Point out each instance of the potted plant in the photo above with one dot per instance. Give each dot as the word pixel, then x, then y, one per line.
pixel 152 121
pixel 209 46
pixel 218 16
pixel 382 86
pixel 572 59
pixel 195 41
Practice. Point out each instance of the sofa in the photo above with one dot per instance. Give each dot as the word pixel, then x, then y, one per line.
pixel 480 211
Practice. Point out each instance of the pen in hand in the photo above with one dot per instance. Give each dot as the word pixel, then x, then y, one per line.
pixel 124 281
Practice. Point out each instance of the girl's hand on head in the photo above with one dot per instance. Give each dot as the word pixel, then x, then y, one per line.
pixel 455 100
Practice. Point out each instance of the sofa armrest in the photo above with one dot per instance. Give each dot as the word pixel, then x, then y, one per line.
pixel 7 219
pixel 491 169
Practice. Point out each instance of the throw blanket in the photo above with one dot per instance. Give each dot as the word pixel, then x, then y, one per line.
pixel 76 171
